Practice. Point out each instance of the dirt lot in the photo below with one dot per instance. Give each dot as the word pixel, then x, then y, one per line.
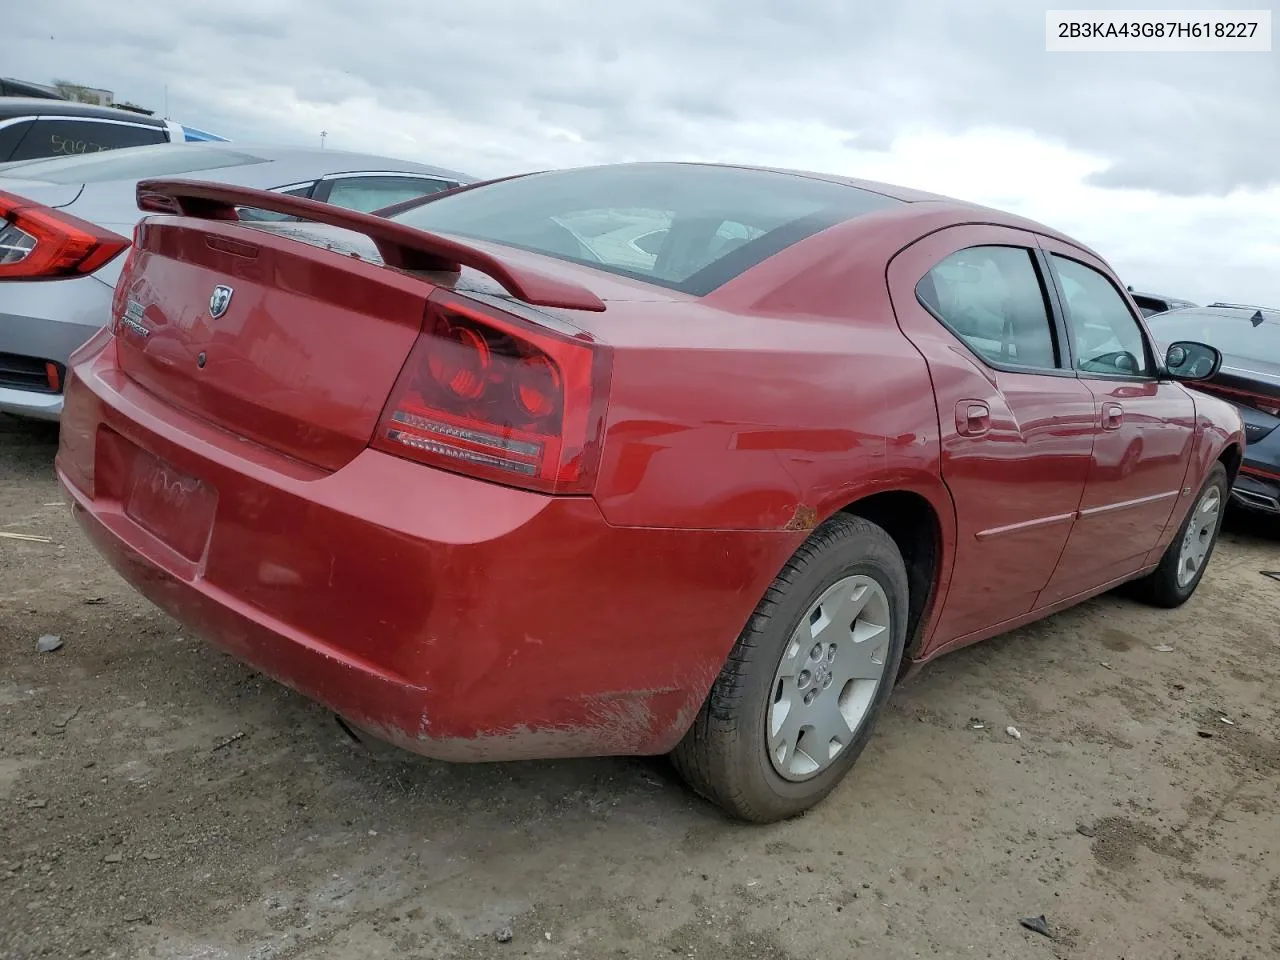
pixel 160 800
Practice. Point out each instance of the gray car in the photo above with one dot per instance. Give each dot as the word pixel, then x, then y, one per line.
pixel 54 297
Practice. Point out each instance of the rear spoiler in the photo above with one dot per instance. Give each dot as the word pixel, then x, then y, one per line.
pixel 399 246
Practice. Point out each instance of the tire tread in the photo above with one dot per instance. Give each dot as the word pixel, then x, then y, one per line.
pixel 704 755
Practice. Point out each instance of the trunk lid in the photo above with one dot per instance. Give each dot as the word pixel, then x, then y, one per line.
pixel 299 358
pixel 293 345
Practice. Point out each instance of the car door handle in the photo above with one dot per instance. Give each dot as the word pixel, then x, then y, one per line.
pixel 1112 416
pixel 973 418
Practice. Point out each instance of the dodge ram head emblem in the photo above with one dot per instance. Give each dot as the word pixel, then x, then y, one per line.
pixel 219 300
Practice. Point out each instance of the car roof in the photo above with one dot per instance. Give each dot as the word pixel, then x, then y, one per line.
pixel 25 88
pixel 315 162
pixel 11 107
pixel 258 166
pixel 1230 311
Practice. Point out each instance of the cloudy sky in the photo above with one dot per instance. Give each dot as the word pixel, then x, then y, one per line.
pixel 1169 164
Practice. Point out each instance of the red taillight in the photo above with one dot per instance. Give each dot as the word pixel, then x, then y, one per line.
pixel 487 394
pixel 53 376
pixel 40 243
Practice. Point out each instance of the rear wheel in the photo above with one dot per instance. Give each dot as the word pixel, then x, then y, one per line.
pixel 1182 567
pixel 798 697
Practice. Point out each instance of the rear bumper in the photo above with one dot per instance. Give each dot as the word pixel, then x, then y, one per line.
pixel 1257 493
pixel 1258 484
pixel 47 320
pixel 456 618
pixel 29 403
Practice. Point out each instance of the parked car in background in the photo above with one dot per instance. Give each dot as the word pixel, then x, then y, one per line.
pixel 1153 303
pixel 33 128
pixel 66 220
pixel 193 135
pixel 9 87
pixel 1249 339
pixel 492 481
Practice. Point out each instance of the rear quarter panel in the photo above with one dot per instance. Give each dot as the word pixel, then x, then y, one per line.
pixel 746 422
pixel 776 400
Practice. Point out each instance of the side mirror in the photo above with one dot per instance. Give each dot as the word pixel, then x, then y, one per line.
pixel 1189 360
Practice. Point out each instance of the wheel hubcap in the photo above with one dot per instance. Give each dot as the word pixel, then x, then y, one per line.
pixel 1198 539
pixel 828 677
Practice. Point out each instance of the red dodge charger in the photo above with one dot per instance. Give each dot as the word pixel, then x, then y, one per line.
pixel 632 459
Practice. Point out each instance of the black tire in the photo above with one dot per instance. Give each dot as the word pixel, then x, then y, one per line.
pixel 1160 588
pixel 724 756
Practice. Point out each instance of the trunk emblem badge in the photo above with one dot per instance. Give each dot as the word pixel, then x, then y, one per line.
pixel 219 301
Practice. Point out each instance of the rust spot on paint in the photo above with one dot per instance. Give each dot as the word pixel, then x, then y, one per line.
pixel 805 518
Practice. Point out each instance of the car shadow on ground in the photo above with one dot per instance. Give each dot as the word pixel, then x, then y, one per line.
pixel 27 448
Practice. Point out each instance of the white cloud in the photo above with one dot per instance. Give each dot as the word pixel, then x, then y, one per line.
pixel 961 98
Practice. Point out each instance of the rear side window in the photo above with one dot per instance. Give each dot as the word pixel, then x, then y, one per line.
pixel 254 214
pixel 60 138
pixel 368 194
pixel 993 298
pixel 689 227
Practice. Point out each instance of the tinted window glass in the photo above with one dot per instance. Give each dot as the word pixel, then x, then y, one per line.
pixel 993 299
pixel 61 138
pixel 1107 337
pixel 134 164
pixel 1233 333
pixel 368 194
pixel 253 213
pixel 11 136
pixel 721 220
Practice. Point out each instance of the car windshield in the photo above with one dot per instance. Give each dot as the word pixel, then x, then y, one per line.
pixel 130 163
pixel 1235 333
pixel 688 227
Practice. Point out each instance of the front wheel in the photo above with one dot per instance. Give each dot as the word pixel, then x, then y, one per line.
pixel 796 701
pixel 1182 567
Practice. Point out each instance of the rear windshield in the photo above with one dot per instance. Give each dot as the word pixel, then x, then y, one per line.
pixel 1233 333
pixel 130 163
pixel 683 226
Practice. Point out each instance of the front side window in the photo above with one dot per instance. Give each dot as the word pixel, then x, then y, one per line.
pixel 993 299
pixel 66 138
pixel 1106 335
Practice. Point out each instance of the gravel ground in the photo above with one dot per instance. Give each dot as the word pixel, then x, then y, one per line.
pixel 160 800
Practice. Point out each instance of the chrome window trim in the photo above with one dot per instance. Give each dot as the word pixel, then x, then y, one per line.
pixel 294 186
pixel 40 116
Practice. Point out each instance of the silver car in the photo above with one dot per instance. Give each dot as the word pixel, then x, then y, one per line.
pixel 65 222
